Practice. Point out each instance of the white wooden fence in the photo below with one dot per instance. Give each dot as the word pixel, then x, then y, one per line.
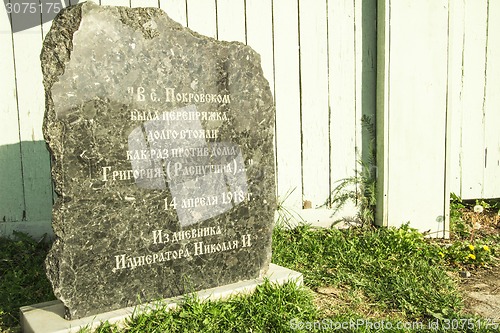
pixel 474 97
pixel 438 107
pixel 437 82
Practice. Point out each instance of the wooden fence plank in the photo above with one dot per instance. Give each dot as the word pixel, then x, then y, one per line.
pixel 314 103
pixel 11 183
pixel 175 9
pixel 231 20
pixel 492 105
pixel 358 77
pixel 201 17
pixel 35 158
pixel 38 230
pixel 259 15
pixel 473 94
pixel 382 115
pixel 287 95
pixel 342 84
pixel 365 21
pixel 455 81
pixel 418 59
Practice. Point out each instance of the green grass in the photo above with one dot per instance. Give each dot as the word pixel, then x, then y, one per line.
pixel 22 278
pixel 268 309
pixel 396 269
pixel 388 274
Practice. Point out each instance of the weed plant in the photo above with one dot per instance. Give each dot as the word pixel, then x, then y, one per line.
pixel 360 188
pixel 464 250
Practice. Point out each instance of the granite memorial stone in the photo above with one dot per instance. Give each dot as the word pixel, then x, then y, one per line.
pixel 162 149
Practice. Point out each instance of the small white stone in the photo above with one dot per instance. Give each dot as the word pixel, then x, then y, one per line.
pixel 465 274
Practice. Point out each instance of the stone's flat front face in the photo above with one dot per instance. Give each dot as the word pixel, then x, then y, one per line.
pixel 162 146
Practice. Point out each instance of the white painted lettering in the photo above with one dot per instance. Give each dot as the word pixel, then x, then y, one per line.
pixel 140 94
pixel 245 240
pixel 120 261
pixel 105 173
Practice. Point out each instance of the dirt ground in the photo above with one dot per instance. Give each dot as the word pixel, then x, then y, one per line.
pixel 482 289
pixel 482 293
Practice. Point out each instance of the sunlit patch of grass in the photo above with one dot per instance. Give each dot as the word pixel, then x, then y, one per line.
pixel 269 309
pixel 397 269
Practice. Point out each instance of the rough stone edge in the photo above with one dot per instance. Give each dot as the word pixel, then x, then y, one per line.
pixel 56 51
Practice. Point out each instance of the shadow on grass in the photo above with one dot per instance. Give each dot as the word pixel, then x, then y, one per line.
pixel 22 278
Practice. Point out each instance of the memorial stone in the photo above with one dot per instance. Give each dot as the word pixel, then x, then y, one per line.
pixel 162 158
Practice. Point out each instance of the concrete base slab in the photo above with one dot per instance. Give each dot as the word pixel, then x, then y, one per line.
pixel 48 317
